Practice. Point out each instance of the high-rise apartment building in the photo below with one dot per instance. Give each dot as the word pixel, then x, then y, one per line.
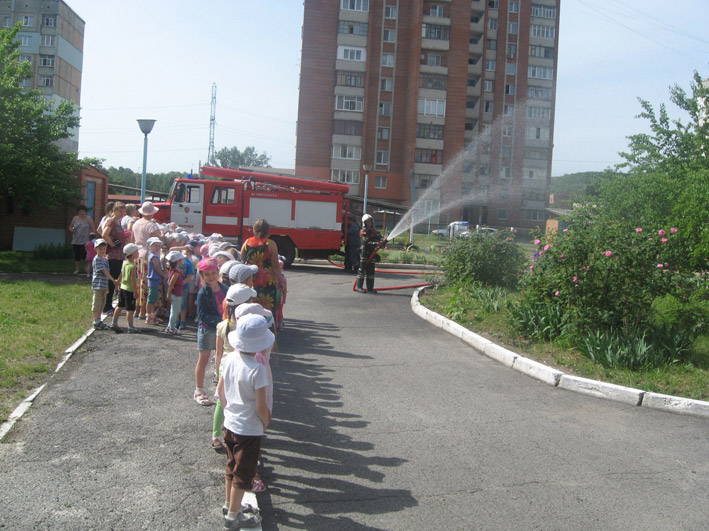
pixel 453 98
pixel 52 39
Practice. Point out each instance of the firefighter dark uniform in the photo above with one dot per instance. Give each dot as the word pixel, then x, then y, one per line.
pixel 370 242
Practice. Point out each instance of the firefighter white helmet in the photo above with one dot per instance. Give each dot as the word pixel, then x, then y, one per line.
pixel 367 217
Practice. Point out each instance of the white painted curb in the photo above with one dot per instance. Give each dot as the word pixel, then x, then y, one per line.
pixel 556 378
pixel 676 404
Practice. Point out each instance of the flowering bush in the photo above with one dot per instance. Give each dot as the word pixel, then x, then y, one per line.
pixel 604 277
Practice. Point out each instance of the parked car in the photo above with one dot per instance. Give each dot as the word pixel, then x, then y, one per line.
pixel 453 229
pixel 479 230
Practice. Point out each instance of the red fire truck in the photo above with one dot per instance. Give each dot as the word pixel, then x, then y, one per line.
pixel 306 215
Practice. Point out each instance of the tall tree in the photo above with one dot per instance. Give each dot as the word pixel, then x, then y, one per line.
pixel 34 172
pixel 234 158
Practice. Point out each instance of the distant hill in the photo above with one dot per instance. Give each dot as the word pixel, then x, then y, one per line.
pixel 573 184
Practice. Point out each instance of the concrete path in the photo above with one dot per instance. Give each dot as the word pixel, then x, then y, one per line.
pixel 382 421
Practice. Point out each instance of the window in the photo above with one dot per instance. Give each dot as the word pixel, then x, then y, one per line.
pixel 355 5
pixel 473 40
pixel 506 130
pixel 492 24
pixel 389 12
pixel 349 27
pixel 511 50
pixel 484 169
pixel 6 22
pixel 505 172
pixel 47 40
pixel 434 31
pixel 428 156
pixel 346 127
pixel 530 173
pixel 508 109
pixel 380 182
pixel 489 106
pixel 502 213
pixel 49 20
pixel 543 11
pixel 490 65
pixel 539 93
pixel 188 194
pixel 536 154
pixel 349 53
pixel 511 69
pixel 389 35
pixel 343 151
pixel 437 11
pixel 470 103
pixel 434 82
pixel 509 89
pixel 512 28
pixel 383 133
pixel 432 107
pixel 349 103
pixel 542 113
pixel 383 157
pixel 434 59
pixel 514 7
pixel 492 44
pixel 423 181
pixel 486 131
pixel 472 60
pixel 26 40
pixel 493 4
pixel 472 82
pixel 345 176
pixel 223 196
pixel 489 85
pixel 545 32
pixel 27 20
pixel 545 52
pixel 25 59
pixel 469 126
pixel 387 84
pixel 537 133
pixel 429 131
pixel 540 72
pixel 385 109
pixel 46 60
pixel 506 152
pixel 387 59
pixel 350 79
pixel 535 215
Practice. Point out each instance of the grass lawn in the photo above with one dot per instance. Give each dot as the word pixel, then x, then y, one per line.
pixel 690 380
pixel 38 322
pixel 25 262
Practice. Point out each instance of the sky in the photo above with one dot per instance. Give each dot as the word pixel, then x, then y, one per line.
pixel 159 59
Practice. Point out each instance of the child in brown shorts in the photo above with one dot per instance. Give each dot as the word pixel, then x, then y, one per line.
pixel 242 391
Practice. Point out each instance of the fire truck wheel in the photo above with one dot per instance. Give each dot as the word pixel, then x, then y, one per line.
pixel 286 248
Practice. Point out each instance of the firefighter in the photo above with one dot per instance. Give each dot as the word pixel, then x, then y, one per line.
pixel 370 242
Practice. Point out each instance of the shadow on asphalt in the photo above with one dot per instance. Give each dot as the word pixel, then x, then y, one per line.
pixel 307 445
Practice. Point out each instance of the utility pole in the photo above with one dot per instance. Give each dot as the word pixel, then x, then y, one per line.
pixel 212 123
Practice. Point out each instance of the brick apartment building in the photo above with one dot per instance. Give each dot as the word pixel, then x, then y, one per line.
pixel 452 97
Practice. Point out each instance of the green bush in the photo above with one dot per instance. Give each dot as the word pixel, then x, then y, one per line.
pixel 540 321
pixel 489 259
pixel 53 251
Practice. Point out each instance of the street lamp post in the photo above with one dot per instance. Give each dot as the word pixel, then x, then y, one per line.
pixel 366 168
pixel 145 127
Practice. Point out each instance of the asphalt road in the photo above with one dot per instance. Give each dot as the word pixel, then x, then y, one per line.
pixel 381 421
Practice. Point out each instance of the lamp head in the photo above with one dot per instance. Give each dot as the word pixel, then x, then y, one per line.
pixel 146 126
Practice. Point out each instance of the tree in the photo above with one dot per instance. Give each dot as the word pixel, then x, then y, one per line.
pixel 34 172
pixel 233 158
pixel 667 180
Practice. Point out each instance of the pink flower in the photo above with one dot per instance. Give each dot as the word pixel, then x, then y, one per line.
pixel 565 230
pixel 575 279
pixel 661 232
pixel 660 266
pixel 649 239
pixel 673 230
pixel 541 253
pixel 537 242
pixel 576 285
pixel 664 240
pixel 561 255
pixel 556 293
pixel 638 229
pixel 608 253
pixel 546 247
pixel 531 267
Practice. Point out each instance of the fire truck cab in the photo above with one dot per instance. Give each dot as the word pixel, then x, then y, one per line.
pixel 305 215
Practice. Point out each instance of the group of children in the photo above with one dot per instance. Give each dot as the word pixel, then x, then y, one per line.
pixel 229 323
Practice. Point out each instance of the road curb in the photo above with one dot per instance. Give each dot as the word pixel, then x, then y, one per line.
pixel 556 378
pixel 20 410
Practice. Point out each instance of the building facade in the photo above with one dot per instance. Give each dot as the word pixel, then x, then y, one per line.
pixel 52 39
pixel 449 102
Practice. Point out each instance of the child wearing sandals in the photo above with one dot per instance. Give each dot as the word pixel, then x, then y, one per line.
pixel 174 290
pixel 155 276
pixel 242 388
pixel 209 303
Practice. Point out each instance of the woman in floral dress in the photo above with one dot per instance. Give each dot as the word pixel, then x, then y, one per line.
pixel 262 252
